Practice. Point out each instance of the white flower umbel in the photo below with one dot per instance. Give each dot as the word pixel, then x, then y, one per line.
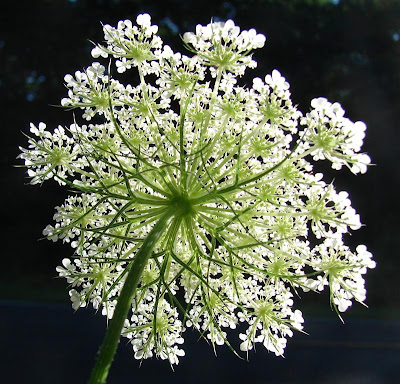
pixel 195 199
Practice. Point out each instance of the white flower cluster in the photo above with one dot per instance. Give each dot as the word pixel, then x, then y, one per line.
pixel 335 137
pixel 271 319
pixel 344 270
pixel 222 45
pixel 132 45
pixel 90 91
pixel 154 328
pixel 51 154
pixel 231 164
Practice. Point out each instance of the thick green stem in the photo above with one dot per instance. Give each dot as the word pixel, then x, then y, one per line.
pixel 110 343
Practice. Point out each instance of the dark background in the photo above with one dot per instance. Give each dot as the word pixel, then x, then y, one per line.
pixel 347 51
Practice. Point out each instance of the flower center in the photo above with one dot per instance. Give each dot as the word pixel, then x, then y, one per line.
pixel 183 205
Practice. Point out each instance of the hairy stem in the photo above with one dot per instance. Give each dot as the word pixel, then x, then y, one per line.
pixel 107 350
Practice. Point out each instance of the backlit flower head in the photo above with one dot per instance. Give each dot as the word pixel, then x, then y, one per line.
pixel 227 169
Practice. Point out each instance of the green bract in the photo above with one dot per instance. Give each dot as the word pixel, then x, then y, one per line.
pixel 195 197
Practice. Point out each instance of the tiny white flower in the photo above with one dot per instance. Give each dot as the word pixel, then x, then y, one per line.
pixel 99 52
pixel 144 20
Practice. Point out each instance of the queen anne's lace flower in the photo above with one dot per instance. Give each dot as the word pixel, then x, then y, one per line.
pixel 250 223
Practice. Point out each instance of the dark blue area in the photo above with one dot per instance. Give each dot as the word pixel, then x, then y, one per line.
pixel 348 51
pixel 49 343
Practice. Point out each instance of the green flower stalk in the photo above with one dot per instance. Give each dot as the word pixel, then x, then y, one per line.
pixel 195 203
